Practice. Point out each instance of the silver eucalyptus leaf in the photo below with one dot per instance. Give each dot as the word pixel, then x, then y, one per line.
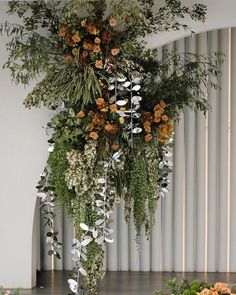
pixel 109 240
pixel 84 226
pixel 121 102
pixel 83 271
pixel 111 87
pixel 99 240
pixel 99 222
pixel 136 88
pixel 101 180
pixel 137 130
pixel 126 84
pixel 120 113
pixel 121 79
pixel 85 242
pixel 136 80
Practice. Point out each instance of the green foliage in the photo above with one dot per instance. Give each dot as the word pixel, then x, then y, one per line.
pixel 184 287
pixel 65 196
pixel 94 266
pixel 141 177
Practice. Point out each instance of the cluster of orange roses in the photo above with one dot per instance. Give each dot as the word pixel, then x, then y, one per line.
pixel 87 40
pixel 157 124
pixel 105 120
pixel 218 288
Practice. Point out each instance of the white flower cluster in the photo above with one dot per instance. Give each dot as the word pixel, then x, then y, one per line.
pixel 80 174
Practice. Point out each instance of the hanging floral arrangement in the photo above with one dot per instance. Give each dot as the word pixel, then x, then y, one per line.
pixel 115 106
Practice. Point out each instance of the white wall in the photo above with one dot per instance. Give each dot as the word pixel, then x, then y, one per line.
pixel 23 153
pixel 220 14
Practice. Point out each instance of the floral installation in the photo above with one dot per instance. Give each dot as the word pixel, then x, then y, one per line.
pixel 115 104
pixel 196 288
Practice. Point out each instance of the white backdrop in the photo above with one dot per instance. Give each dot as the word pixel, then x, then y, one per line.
pixel 196 222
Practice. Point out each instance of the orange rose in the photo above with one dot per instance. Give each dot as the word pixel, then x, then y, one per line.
pixel 157 113
pixel 163 139
pixel 97 40
pixel 113 108
pixel 62 31
pixel 162 104
pixel 112 22
pixel 147 126
pixel 100 102
pixel 93 135
pixel 76 38
pixel 99 64
pixel 92 30
pixel 81 114
pixel 164 118
pixel 158 108
pixel 108 127
pixel 96 49
pixel 87 45
pixel 148 137
pixel 68 58
pixel 115 147
pixel 157 120
pixel 115 51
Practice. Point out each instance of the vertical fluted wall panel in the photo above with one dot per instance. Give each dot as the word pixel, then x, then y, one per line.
pixel 232 236
pixel 190 176
pixel 195 222
pixel 213 147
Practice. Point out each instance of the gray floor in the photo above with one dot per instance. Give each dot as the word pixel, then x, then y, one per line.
pixel 122 283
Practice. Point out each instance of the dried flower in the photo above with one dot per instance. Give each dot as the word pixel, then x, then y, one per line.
pixel 81 114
